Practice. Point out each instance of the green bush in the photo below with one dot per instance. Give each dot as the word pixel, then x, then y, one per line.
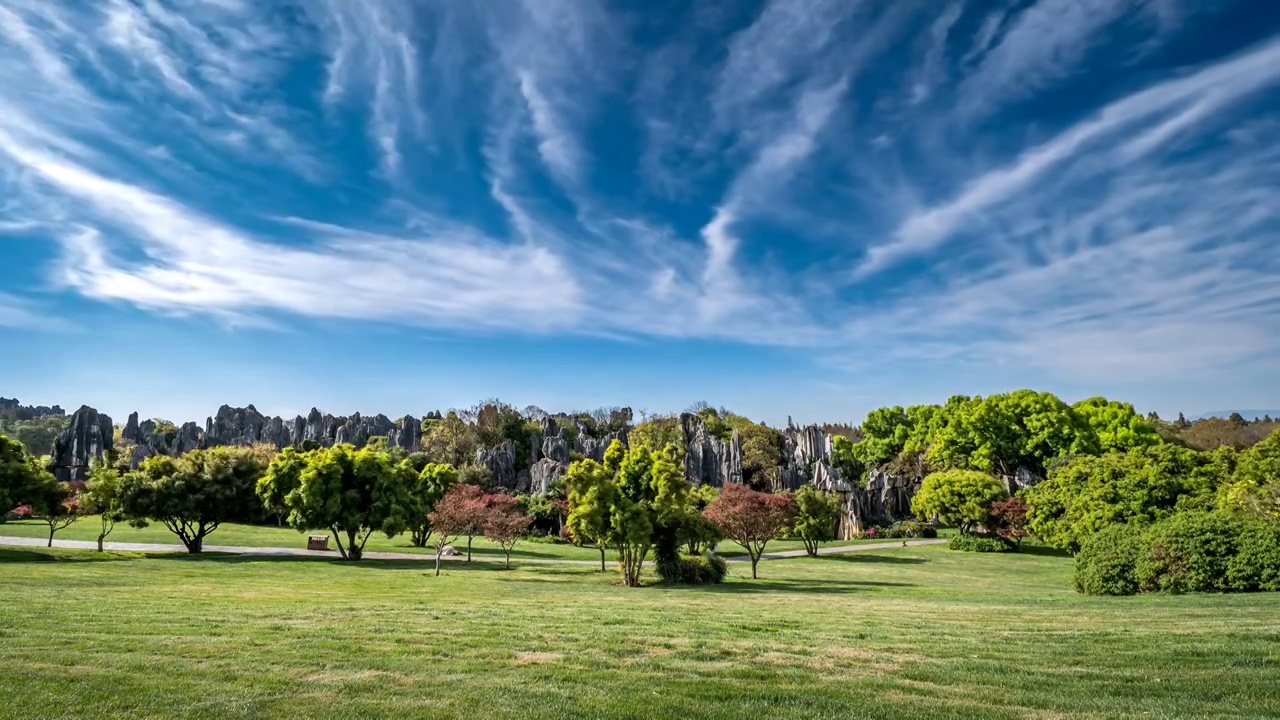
pixel 979 543
pixel 1105 563
pixel 1256 565
pixel 1188 552
pixel 705 569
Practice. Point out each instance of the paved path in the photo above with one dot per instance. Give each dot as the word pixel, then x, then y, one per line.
pixel 424 557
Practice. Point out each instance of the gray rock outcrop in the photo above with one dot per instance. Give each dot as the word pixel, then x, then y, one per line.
pixel 501 462
pixel 87 437
pixel 708 460
pixel 408 435
pixel 544 473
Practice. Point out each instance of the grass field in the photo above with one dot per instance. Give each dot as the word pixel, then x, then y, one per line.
pixel 267 536
pixel 912 633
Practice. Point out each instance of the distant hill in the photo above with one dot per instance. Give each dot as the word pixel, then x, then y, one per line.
pixel 1246 414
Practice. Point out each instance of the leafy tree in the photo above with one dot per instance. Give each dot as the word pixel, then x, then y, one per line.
pixel 455 514
pixel 1002 433
pixel 54 503
pixel 817 513
pixel 425 491
pixel 590 492
pixel 103 494
pixel 36 433
pixel 751 518
pixel 350 492
pixel 959 497
pixel 193 495
pixel 451 440
pixel 20 475
pixel 1255 482
pixel 473 474
pixel 497 421
pixel 1085 494
pixel 846 458
pixel 1117 425
pixel 283 476
pixel 1007 518
pixel 656 432
pixel 696 532
pixel 504 522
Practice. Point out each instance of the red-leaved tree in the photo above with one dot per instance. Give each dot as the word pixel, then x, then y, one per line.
pixel 504 522
pixel 1008 519
pixel 460 512
pixel 750 518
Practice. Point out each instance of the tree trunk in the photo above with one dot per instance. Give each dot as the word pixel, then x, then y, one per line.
pixel 469 548
pixel 602 559
pixel 100 537
pixel 755 558
pixel 508 559
pixel 438 561
pixel 195 545
pixel 50 535
pixel 354 549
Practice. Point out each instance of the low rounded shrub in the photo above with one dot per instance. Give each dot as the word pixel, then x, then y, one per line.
pixel 1187 552
pixel 705 569
pixel 907 529
pixel 979 543
pixel 1105 563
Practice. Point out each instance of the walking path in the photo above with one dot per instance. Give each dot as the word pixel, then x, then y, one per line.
pixel 424 557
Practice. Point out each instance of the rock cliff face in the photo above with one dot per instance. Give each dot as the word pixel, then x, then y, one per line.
pixel 545 472
pixel 88 436
pixel 708 460
pixel 501 461
pixel 408 435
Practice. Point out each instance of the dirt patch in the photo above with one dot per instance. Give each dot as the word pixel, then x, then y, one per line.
pixel 536 657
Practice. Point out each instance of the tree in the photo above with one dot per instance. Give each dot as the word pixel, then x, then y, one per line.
pixel 284 474
pixel 103 494
pixel 1255 482
pixel 193 495
pixel 1007 518
pixel 1086 494
pixel 590 492
pixel 1117 425
pixel 20 475
pixel 53 502
pixel 425 491
pixel 350 492
pixel 450 440
pixel 504 522
pixel 958 497
pixel 696 531
pixel 455 515
pixel 751 518
pixel 817 513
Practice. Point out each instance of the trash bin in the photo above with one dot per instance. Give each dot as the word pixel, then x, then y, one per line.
pixel 317 542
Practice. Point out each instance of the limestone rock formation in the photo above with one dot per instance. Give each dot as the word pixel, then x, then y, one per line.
pixel 87 436
pixel 408 435
pixel 707 459
pixel 235 426
pixel 501 461
pixel 544 473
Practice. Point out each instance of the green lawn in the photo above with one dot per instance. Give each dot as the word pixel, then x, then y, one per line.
pixel 912 633
pixel 267 536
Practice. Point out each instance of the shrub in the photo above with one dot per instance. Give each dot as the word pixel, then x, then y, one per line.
pixel 705 569
pixel 979 543
pixel 1189 552
pixel 1256 565
pixel 907 529
pixel 1105 563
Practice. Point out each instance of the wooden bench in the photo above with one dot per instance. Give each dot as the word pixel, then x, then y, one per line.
pixel 317 542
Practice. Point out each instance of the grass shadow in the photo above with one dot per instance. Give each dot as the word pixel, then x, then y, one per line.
pixel 870 559
pixel 43 555
pixel 807 587
pixel 1043 551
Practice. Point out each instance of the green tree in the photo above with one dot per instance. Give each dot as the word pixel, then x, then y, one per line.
pixel 1116 424
pixel 350 492
pixel 958 497
pixel 193 495
pixel 697 533
pixel 20 475
pixel 103 495
pixel 284 474
pixel 1001 434
pixel 425 491
pixel 590 494
pixel 1087 493
pixel 451 440
pixel 1255 482
pixel 54 503
pixel 817 513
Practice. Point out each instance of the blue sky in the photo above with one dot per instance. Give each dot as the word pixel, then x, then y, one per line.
pixel 789 207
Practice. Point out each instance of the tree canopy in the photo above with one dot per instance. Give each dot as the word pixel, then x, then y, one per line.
pixel 194 494
pixel 959 497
